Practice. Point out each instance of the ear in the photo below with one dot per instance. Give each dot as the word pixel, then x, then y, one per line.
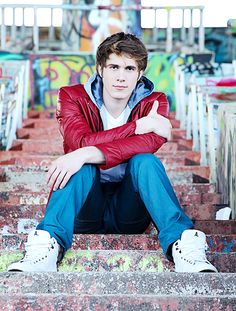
pixel 140 74
pixel 99 69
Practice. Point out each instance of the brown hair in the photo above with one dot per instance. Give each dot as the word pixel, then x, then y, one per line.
pixel 122 43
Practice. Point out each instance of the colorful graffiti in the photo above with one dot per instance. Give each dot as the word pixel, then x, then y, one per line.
pixel 49 73
pixel 160 71
pixel 84 30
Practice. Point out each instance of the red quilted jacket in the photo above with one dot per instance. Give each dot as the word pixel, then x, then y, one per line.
pixel 81 125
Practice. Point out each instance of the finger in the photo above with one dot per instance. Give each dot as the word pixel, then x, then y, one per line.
pixel 58 180
pixel 53 177
pixel 154 107
pixel 65 180
pixel 51 170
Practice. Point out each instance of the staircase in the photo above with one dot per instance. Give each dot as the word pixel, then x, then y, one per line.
pixel 110 272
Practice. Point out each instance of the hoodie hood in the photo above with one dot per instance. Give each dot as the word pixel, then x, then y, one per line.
pixel 94 88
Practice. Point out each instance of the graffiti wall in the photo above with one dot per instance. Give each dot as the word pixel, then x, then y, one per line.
pixel 49 73
pixel 84 30
pixel 161 71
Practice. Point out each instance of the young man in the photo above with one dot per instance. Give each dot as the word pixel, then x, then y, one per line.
pixel 109 181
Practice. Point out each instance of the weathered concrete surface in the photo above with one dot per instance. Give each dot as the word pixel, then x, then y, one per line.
pixel 30 159
pixel 216 242
pixel 21 195
pixel 10 210
pixel 13 173
pixel 180 189
pixel 52 302
pixel 12 224
pixel 121 261
pixel 114 283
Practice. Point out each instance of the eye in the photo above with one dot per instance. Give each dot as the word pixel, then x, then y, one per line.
pixel 113 67
pixel 130 68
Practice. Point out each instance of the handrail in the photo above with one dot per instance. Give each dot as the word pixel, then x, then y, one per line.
pixel 88 7
pixel 13 99
pixel 67 8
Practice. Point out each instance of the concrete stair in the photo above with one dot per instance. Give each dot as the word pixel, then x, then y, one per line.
pixel 110 272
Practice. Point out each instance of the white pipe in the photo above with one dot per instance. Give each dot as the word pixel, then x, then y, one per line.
pixel 3 30
pixel 168 34
pixel 201 33
pixel 35 32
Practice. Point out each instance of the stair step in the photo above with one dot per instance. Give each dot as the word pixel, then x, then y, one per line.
pixel 22 159
pixel 32 114
pixel 54 131
pixel 26 159
pixel 13 186
pixel 12 225
pixel 19 157
pixel 39 146
pixel 38 133
pixel 216 242
pixel 196 211
pixel 18 195
pixel 115 283
pixel 187 154
pixel 54 146
pixel 121 261
pixel 40 123
pixel 178 133
pixel 181 174
pixel 175 123
pixel 114 302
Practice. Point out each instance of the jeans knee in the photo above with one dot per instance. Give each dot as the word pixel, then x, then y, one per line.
pixel 87 171
pixel 144 160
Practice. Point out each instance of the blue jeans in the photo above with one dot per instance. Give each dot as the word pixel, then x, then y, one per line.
pixel 86 205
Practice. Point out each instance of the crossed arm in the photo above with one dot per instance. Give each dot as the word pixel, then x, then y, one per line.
pixel 154 124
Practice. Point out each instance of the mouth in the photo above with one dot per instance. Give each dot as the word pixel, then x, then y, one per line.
pixel 120 87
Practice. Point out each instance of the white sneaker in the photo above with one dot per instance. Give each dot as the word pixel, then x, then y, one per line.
pixel 189 253
pixel 41 254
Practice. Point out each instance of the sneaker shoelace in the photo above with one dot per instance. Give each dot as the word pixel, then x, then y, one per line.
pixel 192 254
pixel 34 251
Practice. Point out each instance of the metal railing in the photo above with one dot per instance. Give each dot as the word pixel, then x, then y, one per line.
pixel 14 82
pixel 9 34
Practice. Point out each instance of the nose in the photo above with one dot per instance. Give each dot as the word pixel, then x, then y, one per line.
pixel 120 76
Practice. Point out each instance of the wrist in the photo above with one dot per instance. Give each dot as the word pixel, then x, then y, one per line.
pixel 91 154
pixel 85 154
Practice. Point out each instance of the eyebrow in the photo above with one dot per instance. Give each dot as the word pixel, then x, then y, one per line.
pixel 128 66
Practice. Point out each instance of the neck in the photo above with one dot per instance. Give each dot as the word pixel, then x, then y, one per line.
pixel 115 106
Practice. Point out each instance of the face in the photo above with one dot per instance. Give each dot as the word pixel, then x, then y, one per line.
pixel 119 77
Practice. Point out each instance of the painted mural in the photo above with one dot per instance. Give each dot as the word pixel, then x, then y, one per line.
pixel 49 73
pixel 84 30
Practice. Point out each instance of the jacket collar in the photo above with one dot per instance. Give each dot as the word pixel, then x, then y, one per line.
pixel 94 89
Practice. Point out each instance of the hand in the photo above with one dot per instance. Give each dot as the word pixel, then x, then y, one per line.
pixel 61 170
pixel 154 122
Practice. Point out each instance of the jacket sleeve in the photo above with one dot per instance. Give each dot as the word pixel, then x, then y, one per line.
pixel 77 131
pixel 123 149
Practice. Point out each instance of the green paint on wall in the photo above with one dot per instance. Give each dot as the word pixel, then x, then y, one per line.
pixel 75 261
pixel 120 263
pixel 151 264
pixel 8 258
